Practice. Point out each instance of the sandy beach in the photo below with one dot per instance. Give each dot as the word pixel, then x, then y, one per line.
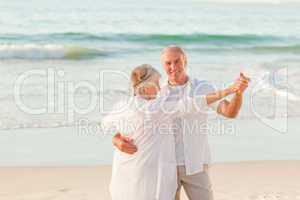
pixel 255 180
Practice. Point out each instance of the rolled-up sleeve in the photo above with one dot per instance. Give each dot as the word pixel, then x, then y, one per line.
pixel 204 88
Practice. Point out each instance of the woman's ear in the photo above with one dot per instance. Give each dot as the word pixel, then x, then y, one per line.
pixel 143 90
pixel 140 90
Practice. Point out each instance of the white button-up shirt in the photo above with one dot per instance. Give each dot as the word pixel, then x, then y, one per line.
pixel 191 132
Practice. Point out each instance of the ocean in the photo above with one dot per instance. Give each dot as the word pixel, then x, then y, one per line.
pixel 67 62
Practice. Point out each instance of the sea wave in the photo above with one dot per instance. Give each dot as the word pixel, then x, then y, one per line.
pixel 271 49
pixel 47 51
pixel 277 49
pixel 72 45
pixel 153 38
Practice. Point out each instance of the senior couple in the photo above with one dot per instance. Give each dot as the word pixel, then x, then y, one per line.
pixel 161 135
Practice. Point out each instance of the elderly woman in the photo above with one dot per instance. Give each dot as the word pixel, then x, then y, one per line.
pixel 150 174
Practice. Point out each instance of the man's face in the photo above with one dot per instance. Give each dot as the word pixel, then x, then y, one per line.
pixel 174 65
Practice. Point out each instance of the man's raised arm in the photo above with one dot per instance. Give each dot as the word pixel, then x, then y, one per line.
pixel 231 108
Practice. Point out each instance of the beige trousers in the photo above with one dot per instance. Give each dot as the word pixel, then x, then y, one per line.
pixel 196 186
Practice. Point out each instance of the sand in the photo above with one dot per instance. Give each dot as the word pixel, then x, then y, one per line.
pixel 255 180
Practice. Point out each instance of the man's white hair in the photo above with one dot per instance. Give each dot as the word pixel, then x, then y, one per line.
pixel 176 49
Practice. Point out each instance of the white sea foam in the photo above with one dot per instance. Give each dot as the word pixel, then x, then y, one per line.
pixel 46 51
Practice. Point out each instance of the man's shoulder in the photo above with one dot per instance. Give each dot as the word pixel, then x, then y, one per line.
pixel 202 87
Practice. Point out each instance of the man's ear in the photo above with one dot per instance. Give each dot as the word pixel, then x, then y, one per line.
pixel 185 60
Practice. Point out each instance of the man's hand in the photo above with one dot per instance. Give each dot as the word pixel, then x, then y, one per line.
pixel 124 144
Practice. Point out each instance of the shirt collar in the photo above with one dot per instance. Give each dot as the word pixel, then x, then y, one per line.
pixel 178 86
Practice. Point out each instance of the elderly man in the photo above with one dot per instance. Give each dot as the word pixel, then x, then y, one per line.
pixel 191 136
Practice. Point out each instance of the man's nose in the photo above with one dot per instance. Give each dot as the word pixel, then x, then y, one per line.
pixel 173 67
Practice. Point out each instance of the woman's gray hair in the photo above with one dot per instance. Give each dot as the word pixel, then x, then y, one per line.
pixel 143 74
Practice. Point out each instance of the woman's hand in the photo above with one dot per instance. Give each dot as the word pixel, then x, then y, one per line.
pixel 240 85
pixel 124 144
